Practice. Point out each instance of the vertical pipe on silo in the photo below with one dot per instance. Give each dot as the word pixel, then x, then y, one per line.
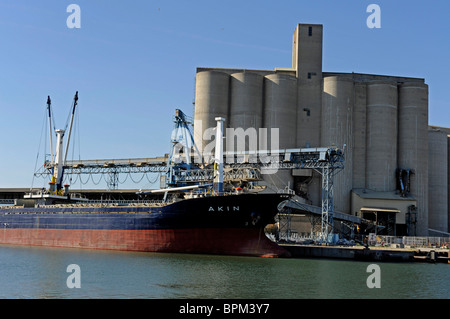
pixel 381 138
pixel 337 130
pixel 211 101
pixel 437 180
pixel 413 145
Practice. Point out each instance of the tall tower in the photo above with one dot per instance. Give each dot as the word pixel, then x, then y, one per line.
pixel 307 62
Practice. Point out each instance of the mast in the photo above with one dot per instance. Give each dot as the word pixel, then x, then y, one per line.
pixel 218 157
pixel 75 102
pixel 59 164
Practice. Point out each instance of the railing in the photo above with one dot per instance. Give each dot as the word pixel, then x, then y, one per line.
pixel 382 241
pixel 411 241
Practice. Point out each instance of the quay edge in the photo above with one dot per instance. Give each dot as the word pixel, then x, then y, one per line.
pixel 368 254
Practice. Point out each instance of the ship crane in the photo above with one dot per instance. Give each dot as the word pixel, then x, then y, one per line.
pixel 57 163
pixel 60 156
pixel 180 157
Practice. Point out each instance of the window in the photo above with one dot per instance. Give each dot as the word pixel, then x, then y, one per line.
pixel 311 74
pixel 310 31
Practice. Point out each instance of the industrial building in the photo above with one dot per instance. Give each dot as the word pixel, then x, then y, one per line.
pixel 396 165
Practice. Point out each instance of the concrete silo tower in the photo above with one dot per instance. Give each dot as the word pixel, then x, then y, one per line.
pixel 382 121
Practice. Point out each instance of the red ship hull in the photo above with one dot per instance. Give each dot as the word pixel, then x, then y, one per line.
pixel 225 241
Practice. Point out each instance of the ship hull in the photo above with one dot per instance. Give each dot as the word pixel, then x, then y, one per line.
pixel 229 225
pixel 223 241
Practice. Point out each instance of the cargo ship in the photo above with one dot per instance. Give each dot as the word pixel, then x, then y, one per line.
pixel 225 224
pixel 201 219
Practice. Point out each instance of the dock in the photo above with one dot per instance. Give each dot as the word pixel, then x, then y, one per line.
pixel 362 253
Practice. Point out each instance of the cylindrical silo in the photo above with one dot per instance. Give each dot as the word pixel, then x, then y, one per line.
pixel 337 123
pixel 448 180
pixel 381 136
pixel 280 110
pixel 359 135
pixel 413 144
pixel 246 109
pixel 211 100
pixel 437 180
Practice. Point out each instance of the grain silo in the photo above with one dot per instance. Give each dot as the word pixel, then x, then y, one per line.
pixel 246 106
pixel 448 179
pixel 437 180
pixel 381 139
pixel 382 121
pixel 280 108
pixel 413 144
pixel 337 113
pixel 211 100
pixel 359 136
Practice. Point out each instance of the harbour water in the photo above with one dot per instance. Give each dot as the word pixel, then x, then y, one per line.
pixel 41 273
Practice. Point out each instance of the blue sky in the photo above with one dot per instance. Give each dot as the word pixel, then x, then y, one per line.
pixel 134 62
